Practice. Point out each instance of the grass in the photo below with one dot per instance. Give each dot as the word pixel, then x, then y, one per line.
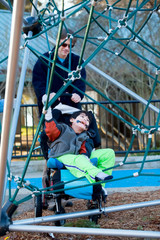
pixel 82 223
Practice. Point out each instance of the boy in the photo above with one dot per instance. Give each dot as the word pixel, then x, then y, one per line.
pixel 73 146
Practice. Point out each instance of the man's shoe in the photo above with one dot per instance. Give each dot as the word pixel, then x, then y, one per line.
pixel 104 194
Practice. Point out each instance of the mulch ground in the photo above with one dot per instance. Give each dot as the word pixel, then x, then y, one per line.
pixel 147 218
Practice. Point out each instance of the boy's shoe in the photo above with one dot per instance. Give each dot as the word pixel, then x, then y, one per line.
pixel 109 177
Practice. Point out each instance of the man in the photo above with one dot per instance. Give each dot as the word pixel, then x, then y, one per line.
pixel 40 71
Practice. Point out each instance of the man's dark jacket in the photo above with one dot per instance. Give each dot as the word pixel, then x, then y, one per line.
pixel 39 80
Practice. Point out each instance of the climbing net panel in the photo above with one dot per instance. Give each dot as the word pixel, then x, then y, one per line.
pixel 111 32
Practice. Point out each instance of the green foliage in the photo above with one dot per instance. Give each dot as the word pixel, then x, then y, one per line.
pixel 140 227
pixel 82 223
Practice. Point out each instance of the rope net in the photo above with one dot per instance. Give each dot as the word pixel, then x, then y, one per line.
pixel 124 38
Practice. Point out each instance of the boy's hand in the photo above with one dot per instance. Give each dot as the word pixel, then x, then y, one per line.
pixel 48 114
pixel 44 98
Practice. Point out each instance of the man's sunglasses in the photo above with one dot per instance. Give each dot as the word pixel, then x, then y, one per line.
pixel 66 45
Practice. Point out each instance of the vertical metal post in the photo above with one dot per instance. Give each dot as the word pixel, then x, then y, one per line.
pixel 19 97
pixel 18 9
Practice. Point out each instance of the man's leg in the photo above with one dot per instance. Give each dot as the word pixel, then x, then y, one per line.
pixel 45 183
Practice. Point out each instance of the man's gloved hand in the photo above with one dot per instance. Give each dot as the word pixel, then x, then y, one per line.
pixel 75 98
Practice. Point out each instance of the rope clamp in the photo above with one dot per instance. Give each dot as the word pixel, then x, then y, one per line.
pixel 110 8
pixel 93 3
pixel 149 135
pixel 44 111
pixel 23 46
pixel 157 71
pixel 143 131
pixel 34 193
pixel 152 130
pixel 136 174
pixel 134 131
pixel 100 38
pixel 10 178
pixel 136 40
pixel 27 183
pixel 122 22
pixel 63 18
pixel 121 164
pixel 16 179
pixel 79 68
pixel 70 36
pixel 74 75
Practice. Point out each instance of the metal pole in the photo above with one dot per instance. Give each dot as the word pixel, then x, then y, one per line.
pixel 86 213
pixel 17 17
pixel 19 97
pixel 122 87
pixel 86 231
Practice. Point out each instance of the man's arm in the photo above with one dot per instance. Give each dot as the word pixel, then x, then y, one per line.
pixel 39 79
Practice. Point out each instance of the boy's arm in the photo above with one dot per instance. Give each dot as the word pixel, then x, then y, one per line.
pixel 52 128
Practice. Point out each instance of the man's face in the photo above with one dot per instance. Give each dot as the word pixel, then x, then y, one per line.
pixel 64 50
pixel 80 123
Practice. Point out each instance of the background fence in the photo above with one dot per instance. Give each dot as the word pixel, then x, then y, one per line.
pixel 114 132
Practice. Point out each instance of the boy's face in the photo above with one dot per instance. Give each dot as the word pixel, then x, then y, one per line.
pixel 80 123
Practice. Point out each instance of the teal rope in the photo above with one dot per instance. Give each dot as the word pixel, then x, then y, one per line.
pixel 54 63
pixel 137 9
pixel 128 7
pixel 145 155
pixel 149 100
pixel 129 148
pixel 141 39
pixel 135 52
pixel 99 48
pixel 126 60
pixel 105 97
pixel 149 50
pixel 86 34
pixel 3 59
pixel 95 20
